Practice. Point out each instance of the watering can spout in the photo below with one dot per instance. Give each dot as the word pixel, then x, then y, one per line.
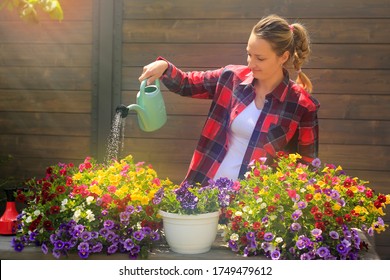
pixel 150 107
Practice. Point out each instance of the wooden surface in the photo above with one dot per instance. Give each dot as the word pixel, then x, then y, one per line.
pixel 219 251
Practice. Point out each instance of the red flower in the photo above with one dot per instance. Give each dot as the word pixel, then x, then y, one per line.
pixel 369 193
pixel 235 226
pixel 244 240
pixel 48 225
pixel 149 210
pixel 317 216
pixel 377 204
pixel 314 209
pixel 271 208
pixel 348 183
pixel 256 189
pixel 237 219
pixel 327 204
pixel 256 225
pixel 347 217
pixel 340 220
pixel 260 235
pixel 328 211
pixel 60 189
pixel 292 193
pixel 308 197
pixel 21 198
pixel 382 198
pixel 320 225
pixel 54 209
pixel 256 172
pixel 350 193
pixel 246 224
pixel 229 213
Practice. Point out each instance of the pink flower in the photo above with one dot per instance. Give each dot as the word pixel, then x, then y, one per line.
pixel 111 189
pixel 236 186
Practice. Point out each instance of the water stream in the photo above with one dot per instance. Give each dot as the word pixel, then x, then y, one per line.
pixel 115 143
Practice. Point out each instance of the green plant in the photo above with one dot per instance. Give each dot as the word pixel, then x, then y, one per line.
pixel 28 9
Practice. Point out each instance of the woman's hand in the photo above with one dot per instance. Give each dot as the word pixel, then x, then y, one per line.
pixel 153 71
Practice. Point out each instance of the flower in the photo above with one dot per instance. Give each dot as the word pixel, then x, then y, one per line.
pixel 193 199
pixel 91 208
pixel 321 210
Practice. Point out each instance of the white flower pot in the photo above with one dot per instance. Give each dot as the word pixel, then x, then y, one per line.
pixel 190 234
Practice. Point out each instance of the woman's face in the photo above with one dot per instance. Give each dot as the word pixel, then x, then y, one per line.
pixel 262 59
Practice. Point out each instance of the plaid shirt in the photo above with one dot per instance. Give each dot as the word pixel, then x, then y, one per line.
pixel 288 121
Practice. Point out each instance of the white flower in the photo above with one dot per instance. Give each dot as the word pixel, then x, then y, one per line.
pixel 64 202
pixel 37 213
pixel 259 200
pixel 29 219
pixel 302 190
pixel 279 240
pixel 246 209
pixel 238 213
pixel 280 208
pixel 234 237
pixel 246 175
pixel 89 200
pixel 273 217
pixel 263 205
pixel 76 215
pixel 90 215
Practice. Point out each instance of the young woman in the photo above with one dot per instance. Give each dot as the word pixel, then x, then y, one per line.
pixel 257 110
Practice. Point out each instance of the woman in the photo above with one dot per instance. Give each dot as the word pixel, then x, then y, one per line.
pixel 257 110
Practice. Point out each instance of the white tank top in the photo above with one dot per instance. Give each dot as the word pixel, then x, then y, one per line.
pixel 239 135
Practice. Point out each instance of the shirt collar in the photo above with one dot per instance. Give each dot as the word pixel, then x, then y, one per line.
pixel 280 92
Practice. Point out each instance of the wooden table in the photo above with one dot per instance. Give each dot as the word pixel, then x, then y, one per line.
pixel 219 251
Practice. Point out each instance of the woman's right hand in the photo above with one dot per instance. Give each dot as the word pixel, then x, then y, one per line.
pixel 153 71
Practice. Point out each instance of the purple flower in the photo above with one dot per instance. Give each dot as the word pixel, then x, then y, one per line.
pixel 341 248
pixel 76 233
pixel 265 246
pixel 94 234
pixel 110 235
pixel 44 248
pixel 32 236
pixel 296 214
pixel 154 236
pixel 251 235
pixel 233 245
pixel 158 196
pixel 146 230
pixel 58 245
pixel 56 254
pixel 104 212
pixel 138 235
pixel 335 195
pixel 302 204
pixel 135 250
pixel 79 228
pixel 323 252
pixel 112 249
pixel 124 217
pixel 17 245
pixel 300 244
pixel 316 163
pixel 128 244
pixel 334 235
pixel 275 255
pixel 295 227
pixel 268 236
pixel 85 236
pixel 108 224
pixel 103 232
pixel 305 256
pixel 316 232
pixel 97 248
pixel 67 246
pixel 83 246
pixel 83 254
pixel 130 209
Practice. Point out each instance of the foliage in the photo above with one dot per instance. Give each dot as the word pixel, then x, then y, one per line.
pixel 299 211
pixel 91 208
pixel 28 9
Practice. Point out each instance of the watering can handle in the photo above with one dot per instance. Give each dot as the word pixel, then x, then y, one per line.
pixel 143 85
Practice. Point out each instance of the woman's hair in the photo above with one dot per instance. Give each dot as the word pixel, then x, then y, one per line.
pixel 284 37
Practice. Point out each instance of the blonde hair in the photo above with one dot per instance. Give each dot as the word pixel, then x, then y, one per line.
pixel 284 37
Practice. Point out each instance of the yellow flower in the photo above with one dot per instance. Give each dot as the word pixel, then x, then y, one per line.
pixel 294 157
pixel 299 170
pixel 317 196
pixel 96 190
pixel 77 176
pixel 310 188
pixel 321 183
pixel 339 168
pixel 144 200
pixel 336 207
pixel 354 189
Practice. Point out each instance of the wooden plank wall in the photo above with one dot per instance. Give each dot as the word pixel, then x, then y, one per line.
pixel 349 69
pixel 45 89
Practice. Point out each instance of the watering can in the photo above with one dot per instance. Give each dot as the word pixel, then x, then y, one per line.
pixel 150 107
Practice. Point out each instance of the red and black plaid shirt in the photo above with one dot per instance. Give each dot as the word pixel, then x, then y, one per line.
pixel 288 121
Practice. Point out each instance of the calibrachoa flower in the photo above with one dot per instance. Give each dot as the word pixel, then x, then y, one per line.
pixel 91 208
pixel 194 199
pixel 302 211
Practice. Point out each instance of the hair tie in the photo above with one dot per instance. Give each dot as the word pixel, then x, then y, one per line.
pixel 291 27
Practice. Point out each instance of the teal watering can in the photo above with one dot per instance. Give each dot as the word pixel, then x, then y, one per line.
pixel 150 107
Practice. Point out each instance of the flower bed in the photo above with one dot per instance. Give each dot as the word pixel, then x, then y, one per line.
pixel 298 211
pixel 91 208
